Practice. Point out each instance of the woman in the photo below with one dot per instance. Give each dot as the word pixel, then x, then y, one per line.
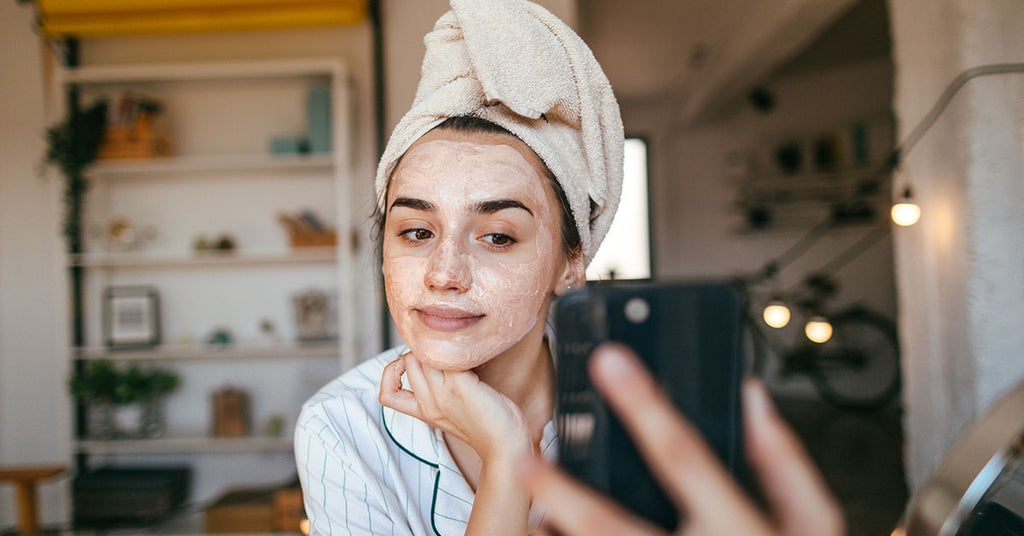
pixel 473 253
pixel 494 192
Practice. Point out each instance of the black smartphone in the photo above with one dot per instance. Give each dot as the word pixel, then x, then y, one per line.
pixel 689 334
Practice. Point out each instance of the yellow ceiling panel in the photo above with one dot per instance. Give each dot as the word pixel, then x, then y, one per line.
pixel 99 18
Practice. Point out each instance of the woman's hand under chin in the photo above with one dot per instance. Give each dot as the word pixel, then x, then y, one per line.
pixel 459 404
pixel 466 408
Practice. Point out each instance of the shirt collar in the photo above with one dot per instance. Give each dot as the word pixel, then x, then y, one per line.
pixel 413 436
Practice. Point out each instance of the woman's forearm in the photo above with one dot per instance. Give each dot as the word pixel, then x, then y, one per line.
pixel 501 506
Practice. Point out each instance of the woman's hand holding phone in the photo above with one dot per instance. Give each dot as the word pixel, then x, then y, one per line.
pixel 712 502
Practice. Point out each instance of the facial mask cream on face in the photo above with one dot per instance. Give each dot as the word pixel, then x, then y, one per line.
pixel 472 249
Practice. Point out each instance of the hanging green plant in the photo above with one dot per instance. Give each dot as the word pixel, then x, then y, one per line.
pixel 72 145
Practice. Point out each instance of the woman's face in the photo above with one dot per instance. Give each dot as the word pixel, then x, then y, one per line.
pixel 472 247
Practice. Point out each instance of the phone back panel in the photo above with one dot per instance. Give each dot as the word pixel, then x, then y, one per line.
pixel 689 336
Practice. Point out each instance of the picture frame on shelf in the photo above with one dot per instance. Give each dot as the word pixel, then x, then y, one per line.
pixel 315 318
pixel 131 317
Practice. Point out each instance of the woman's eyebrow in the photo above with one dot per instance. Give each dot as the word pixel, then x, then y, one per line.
pixel 413 203
pixel 490 207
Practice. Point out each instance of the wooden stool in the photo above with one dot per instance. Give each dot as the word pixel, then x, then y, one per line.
pixel 25 478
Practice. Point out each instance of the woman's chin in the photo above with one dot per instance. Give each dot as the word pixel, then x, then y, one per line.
pixel 453 357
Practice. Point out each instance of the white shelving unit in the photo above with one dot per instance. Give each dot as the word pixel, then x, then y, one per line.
pixel 222 179
pixel 204 259
pixel 144 168
pixel 211 352
pixel 187 445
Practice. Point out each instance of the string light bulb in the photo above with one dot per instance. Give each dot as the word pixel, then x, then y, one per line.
pixel 776 314
pixel 818 329
pixel 906 212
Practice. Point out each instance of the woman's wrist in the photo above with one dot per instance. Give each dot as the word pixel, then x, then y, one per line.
pixel 505 455
pixel 501 506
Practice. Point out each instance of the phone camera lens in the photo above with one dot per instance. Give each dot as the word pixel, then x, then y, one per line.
pixel 637 310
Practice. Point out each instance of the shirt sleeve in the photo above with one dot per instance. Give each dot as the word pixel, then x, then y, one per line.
pixel 338 497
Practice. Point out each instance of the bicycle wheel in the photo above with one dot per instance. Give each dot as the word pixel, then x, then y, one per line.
pixel 859 367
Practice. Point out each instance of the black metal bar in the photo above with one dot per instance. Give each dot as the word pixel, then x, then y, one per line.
pixel 377 22
pixel 76 273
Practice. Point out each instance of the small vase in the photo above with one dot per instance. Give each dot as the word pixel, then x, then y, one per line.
pixel 100 422
pixel 128 419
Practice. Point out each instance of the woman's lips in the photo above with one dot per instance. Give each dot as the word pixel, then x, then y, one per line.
pixel 447 318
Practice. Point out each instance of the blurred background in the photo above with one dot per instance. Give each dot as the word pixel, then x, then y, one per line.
pixel 223 238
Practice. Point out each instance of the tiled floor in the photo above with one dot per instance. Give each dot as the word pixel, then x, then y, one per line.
pixel 861 457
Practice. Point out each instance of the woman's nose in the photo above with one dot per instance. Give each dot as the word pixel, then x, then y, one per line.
pixel 448 269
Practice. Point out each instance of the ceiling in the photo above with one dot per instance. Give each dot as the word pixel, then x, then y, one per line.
pixel 103 18
pixel 706 51
pixel 861 34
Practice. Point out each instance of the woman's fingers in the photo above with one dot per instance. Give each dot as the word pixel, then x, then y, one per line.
pixel 415 372
pixel 459 404
pixel 574 509
pixel 791 483
pixel 392 394
pixel 432 390
pixel 679 458
pixel 708 497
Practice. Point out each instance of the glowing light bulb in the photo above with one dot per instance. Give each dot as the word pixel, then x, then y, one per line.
pixel 906 212
pixel 818 329
pixel 776 314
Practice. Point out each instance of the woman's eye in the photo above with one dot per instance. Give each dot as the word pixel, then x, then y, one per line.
pixel 498 239
pixel 417 235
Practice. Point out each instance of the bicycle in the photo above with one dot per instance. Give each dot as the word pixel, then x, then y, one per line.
pixel 855 363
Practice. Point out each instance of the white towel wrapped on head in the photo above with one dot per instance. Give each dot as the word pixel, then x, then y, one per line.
pixel 513 63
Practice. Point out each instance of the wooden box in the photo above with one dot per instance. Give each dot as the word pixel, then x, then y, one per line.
pixel 313 240
pixel 257 510
pixel 288 510
pixel 230 413
pixel 242 511
pixel 306 230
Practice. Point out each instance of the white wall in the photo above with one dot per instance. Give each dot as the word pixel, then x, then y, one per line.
pixel 34 409
pixel 959 269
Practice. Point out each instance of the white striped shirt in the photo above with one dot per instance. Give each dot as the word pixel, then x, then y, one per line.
pixel 366 469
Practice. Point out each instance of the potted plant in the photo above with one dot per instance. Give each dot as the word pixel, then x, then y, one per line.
pixel 123 403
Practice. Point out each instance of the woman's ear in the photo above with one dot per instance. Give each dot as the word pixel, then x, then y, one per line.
pixel 573 276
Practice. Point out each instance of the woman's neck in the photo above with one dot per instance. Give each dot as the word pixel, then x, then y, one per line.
pixel 525 374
